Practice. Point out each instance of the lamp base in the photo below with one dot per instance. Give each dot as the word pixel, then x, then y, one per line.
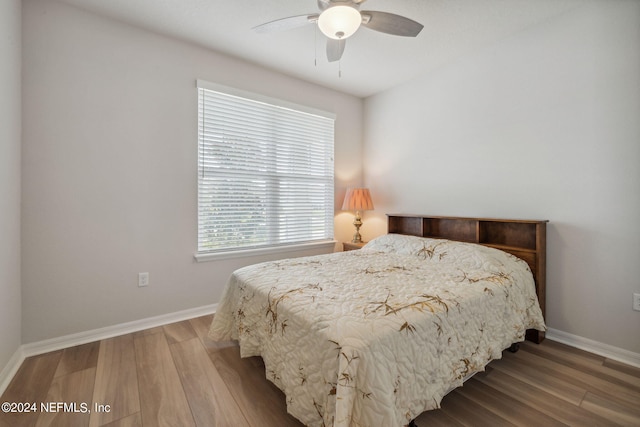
pixel 357 222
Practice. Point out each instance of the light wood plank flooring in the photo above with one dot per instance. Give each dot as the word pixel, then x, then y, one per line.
pixel 174 376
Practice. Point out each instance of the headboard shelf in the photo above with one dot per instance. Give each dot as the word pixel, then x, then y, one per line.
pixel 523 238
pixel 508 248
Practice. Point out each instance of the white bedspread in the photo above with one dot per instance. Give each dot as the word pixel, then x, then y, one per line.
pixel 377 336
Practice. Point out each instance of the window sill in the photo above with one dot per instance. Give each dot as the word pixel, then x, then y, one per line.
pixel 216 256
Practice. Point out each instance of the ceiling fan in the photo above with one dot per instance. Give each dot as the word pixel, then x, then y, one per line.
pixel 340 19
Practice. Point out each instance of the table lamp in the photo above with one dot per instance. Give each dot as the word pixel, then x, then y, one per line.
pixel 357 199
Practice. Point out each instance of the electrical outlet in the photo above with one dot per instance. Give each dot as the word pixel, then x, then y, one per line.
pixel 143 279
pixel 636 302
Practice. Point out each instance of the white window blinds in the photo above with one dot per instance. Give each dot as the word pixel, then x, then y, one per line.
pixel 265 172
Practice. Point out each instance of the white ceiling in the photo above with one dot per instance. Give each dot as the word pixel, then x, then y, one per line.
pixel 372 61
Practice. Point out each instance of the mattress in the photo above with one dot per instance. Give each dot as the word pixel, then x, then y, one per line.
pixel 377 336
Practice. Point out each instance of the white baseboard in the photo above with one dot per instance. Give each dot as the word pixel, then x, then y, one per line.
pixel 53 344
pixel 10 369
pixel 595 347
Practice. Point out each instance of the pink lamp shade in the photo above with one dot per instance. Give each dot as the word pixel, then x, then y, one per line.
pixel 357 199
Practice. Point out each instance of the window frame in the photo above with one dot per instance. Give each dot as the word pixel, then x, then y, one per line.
pixel 262 249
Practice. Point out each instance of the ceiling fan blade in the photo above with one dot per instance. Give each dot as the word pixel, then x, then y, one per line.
pixel 391 23
pixel 335 48
pixel 286 23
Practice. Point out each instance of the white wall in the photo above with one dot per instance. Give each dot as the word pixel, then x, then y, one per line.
pixel 109 171
pixel 543 125
pixel 10 130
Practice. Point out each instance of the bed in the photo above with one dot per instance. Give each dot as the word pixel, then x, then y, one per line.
pixel 377 336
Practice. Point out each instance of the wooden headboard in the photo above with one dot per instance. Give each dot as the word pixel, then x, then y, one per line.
pixel 526 239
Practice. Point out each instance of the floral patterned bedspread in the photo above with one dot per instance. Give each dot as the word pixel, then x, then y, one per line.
pixel 377 336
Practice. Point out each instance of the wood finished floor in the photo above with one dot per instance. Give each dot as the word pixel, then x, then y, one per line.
pixel 174 376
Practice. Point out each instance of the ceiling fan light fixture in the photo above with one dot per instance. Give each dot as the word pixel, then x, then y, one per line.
pixel 339 22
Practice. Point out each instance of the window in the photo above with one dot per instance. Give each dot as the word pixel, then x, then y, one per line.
pixel 265 172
